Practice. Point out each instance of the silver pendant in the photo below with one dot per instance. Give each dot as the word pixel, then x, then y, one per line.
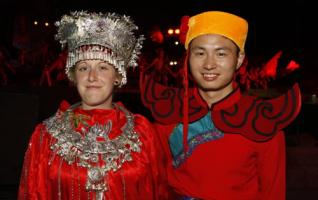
pixel 96 182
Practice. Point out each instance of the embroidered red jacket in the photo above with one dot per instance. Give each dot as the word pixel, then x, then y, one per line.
pixel 236 148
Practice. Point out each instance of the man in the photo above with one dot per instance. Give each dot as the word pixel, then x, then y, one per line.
pixel 220 144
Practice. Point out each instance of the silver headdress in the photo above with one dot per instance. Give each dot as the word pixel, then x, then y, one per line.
pixel 109 37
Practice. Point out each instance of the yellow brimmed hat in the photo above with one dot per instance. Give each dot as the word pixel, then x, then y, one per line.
pixel 216 22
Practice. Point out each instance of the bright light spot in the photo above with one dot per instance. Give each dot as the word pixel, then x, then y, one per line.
pixel 177 31
pixel 35 23
pixel 170 31
pixel 176 42
pixel 46 24
pixel 173 62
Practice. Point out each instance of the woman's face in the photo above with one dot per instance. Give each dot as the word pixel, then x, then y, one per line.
pixel 95 81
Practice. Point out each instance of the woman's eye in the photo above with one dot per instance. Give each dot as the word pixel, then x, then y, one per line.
pixel 103 67
pixel 82 68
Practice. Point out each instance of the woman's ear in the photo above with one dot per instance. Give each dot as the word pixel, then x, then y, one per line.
pixel 72 75
pixel 116 82
pixel 117 79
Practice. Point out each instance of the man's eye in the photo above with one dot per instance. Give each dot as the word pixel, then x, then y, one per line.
pixel 199 53
pixel 221 54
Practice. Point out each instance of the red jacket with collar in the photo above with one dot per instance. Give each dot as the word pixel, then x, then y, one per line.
pixel 246 162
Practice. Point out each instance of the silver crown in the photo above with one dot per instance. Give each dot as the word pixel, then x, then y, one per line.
pixel 111 37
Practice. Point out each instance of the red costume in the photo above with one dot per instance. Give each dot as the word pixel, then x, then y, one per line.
pixel 92 154
pixel 235 150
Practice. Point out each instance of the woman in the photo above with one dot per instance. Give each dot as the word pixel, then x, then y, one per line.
pixel 95 149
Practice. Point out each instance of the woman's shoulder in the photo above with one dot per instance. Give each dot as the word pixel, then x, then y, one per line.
pixel 63 106
pixel 138 117
pixel 55 118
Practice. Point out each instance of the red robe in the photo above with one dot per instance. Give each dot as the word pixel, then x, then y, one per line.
pixel 234 150
pixel 229 168
pixel 140 178
pixel 231 165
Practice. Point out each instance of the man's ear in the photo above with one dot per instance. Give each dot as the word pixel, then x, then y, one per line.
pixel 240 59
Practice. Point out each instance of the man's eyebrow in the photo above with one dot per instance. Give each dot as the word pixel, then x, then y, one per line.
pixel 197 48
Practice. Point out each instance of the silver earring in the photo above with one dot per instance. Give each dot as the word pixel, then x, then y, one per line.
pixel 116 82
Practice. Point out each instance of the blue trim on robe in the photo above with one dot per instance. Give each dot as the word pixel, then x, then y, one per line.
pixel 199 132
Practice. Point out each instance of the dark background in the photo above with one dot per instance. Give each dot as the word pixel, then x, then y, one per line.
pixel 273 25
pixel 290 26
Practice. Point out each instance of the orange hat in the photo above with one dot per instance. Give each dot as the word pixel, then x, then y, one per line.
pixel 216 22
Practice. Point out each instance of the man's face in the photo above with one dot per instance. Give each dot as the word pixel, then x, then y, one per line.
pixel 213 61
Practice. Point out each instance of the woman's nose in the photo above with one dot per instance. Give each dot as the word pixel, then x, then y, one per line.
pixel 92 76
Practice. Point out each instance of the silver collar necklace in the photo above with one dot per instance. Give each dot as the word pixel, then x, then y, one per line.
pixel 92 146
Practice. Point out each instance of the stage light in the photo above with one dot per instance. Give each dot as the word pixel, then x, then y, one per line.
pixel 173 62
pixel 176 43
pixel 170 31
pixel 46 24
pixel 177 31
pixel 35 23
